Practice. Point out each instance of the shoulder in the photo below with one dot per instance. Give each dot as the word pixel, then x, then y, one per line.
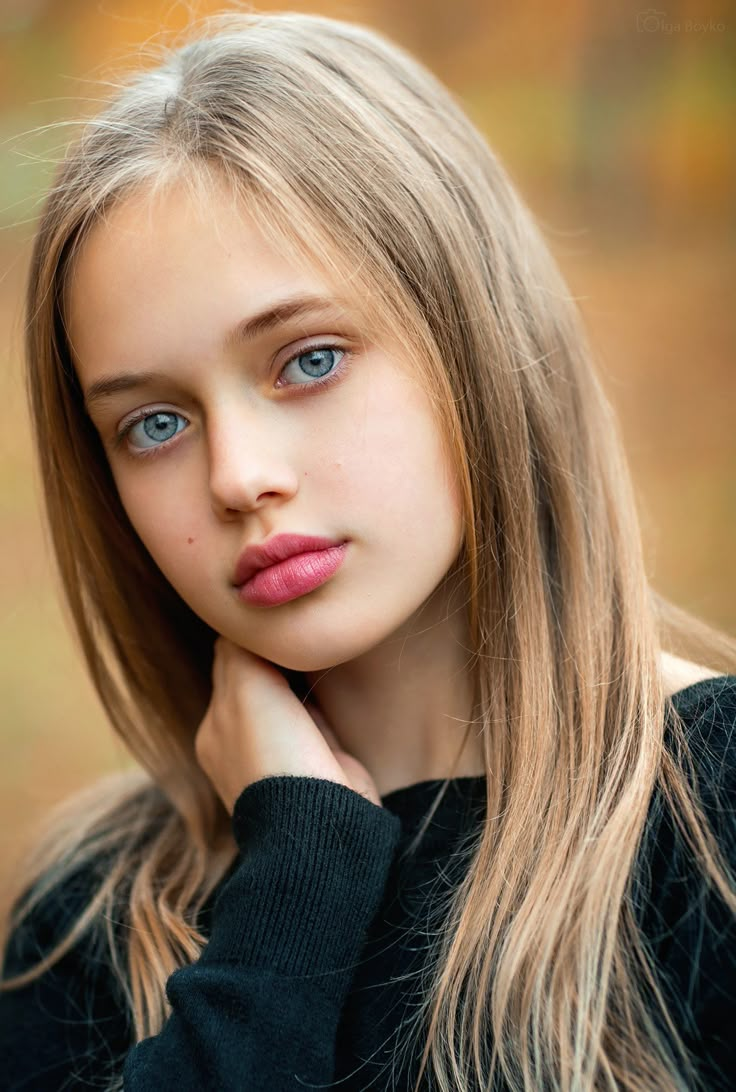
pixel 67 1019
pixel 707 710
pixel 704 749
pixel 689 926
pixel 45 914
pixel 705 714
pixel 702 716
pixel 705 703
pixel 78 857
pixel 678 673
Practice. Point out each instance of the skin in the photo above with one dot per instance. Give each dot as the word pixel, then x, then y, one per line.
pixel 158 286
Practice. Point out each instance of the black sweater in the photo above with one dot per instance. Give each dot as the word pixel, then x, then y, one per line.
pixel 316 935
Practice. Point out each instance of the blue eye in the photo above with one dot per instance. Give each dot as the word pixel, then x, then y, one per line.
pixel 153 429
pixel 316 358
pixel 156 427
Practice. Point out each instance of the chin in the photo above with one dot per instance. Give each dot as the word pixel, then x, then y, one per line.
pixel 295 663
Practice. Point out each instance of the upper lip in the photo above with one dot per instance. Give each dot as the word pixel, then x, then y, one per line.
pixel 277 549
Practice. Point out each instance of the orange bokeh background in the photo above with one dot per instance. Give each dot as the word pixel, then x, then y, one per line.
pixel 617 127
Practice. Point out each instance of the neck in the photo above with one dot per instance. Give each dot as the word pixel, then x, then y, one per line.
pixel 402 708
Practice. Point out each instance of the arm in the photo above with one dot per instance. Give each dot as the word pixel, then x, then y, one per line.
pixel 260 1008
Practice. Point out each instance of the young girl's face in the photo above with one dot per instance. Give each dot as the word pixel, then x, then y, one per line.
pixel 217 439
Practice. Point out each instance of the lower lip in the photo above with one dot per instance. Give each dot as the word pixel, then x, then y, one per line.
pixel 291 578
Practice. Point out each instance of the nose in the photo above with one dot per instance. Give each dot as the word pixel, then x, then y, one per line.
pixel 249 461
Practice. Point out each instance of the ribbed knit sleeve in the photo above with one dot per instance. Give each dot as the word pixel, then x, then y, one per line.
pixel 315 856
pixel 259 1010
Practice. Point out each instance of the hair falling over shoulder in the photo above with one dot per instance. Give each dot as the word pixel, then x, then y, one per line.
pixel 538 952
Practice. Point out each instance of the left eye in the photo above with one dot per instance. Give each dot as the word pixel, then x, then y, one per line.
pixel 156 427
pixel 318 359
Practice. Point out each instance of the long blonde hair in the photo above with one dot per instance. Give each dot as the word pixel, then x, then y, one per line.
pixel 352 155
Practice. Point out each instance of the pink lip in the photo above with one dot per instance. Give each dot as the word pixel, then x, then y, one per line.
pixel 276 549
pixel 297 575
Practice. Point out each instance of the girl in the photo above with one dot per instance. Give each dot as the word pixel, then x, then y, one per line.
pixel 343 519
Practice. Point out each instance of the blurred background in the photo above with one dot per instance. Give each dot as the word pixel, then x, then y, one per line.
pixel 616 123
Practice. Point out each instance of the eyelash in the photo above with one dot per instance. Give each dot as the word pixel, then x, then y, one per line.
pixel 332 377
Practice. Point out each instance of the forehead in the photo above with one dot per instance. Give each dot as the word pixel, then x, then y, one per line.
pixel 190 238
pixel 168 266
pixel 175 215
pixel 166 280
pixel 176 228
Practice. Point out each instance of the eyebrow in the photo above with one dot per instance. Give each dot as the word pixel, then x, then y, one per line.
pixel 250 328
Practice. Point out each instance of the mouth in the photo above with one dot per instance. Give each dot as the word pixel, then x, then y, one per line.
pixel 292 577
pixel 275 549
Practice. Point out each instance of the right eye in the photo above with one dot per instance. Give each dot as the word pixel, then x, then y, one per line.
pixel 158 427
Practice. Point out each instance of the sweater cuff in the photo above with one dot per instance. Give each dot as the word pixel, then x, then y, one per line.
pixel 315 857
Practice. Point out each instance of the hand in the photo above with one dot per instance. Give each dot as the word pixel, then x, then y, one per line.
pixel 255 726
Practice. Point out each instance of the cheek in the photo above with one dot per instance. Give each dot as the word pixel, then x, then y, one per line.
pixel 164 522
pixel 397 466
